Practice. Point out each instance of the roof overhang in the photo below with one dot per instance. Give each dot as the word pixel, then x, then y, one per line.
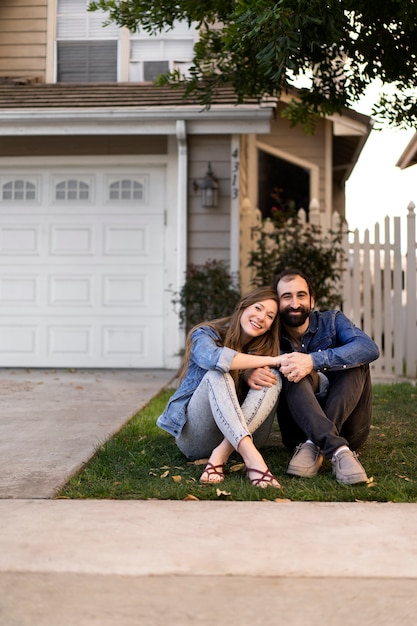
pixel 409 156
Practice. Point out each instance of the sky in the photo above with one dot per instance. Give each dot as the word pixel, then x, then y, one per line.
pixel 377 188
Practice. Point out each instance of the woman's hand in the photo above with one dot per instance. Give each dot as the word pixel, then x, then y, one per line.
pixel 260 377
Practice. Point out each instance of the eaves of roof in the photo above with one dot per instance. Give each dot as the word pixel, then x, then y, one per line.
pixel 132 108
pixel 409 156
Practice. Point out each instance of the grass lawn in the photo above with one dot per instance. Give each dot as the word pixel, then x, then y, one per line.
pixel 142 462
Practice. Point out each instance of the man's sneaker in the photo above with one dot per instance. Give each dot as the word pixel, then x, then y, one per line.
pixel 347 469
pixel 306 461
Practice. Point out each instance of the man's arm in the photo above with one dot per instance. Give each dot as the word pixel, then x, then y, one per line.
pixel 352 347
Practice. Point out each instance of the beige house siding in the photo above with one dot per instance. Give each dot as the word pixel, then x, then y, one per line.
pixel 209 229
pixel 23 26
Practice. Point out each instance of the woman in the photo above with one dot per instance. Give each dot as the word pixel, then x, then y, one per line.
pixel 208 414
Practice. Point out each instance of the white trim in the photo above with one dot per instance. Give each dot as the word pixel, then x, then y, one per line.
pixel 173 334
pixel 156 121
pixel 234 204
pixel 182 200
pixel 314 169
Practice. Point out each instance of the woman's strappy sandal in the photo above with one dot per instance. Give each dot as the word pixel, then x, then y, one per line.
pixel 265 477
pixel 213 470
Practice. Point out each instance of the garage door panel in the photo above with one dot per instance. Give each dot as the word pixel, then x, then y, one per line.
pixel 81 272
pixel 69 290
pixel 20 240
pixel 18 340
pixel 71 239
pixel 19 290
pixel 139 238
pixel 136 342
pixel 96 290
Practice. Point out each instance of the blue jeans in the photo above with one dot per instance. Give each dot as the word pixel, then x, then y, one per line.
pixel 342 418
pixel 214 413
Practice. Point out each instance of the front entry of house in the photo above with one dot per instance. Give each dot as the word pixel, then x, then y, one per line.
pixel 81 266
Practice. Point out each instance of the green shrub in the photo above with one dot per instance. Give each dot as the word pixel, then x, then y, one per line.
pixel 209 291
pixel 303 247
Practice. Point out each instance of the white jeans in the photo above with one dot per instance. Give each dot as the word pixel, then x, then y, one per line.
pixel 214 412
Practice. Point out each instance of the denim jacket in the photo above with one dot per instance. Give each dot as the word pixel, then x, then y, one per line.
pixel 206 354
pixel 334 342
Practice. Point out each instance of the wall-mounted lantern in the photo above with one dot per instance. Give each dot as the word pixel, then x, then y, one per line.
pixel 209 188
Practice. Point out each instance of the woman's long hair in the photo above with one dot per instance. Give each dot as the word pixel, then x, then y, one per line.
pixel 230 331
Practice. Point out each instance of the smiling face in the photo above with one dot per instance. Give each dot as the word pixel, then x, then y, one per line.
pixel 258 318
pixel 295 302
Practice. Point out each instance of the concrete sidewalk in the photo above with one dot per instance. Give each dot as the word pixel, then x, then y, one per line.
pixel 154 563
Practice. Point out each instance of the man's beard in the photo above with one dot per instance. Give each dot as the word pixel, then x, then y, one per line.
pixel 294 317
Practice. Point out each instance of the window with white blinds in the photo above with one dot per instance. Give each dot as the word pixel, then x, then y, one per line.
pixel 86 61
pixel 88 51
pixel 151 55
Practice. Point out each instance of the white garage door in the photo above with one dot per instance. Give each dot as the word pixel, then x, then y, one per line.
pixel 81 267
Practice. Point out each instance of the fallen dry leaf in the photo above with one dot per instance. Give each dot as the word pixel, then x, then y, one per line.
pixel 237 467
pixel 220 492
pixel 404 478
pixel 198 462
pixel 191 497
pixel 176 479
pixel 165 474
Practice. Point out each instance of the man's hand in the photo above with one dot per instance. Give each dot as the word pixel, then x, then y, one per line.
pixel 260 377
pixel 296 365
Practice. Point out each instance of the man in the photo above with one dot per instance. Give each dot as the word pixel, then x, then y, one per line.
pixel 326 400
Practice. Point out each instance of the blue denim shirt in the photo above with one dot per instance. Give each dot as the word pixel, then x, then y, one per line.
pixel 206 354
pixel 334 342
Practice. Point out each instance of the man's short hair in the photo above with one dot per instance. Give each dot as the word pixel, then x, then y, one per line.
pixel 292 272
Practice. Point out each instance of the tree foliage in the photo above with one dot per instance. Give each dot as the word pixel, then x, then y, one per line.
pixel 262 47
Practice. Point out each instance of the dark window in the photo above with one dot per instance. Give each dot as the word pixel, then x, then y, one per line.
pixel 87 61
pixel 283 188
pixel 152 69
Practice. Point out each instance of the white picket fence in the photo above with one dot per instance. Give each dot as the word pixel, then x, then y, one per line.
pixel 379 292
pixel 379 288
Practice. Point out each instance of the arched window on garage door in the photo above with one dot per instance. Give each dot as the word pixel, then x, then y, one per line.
pixel 72 189
pixel 18 190
pixel 126 189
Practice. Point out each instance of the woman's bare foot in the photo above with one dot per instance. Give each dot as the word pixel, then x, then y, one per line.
pixel 214 471
pixel 212 474
pixel 260 478
pixel 257 471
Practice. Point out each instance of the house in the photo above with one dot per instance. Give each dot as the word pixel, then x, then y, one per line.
pixel 409 155
pixel 100 185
